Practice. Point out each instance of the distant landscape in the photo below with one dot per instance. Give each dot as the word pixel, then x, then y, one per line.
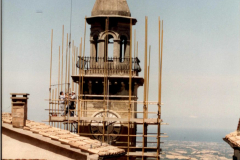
pixel 194 144
pixel 196 150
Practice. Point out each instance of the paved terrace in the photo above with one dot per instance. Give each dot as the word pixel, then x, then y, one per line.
pixel 62 141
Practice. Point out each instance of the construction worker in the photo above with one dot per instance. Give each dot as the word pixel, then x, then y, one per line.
pixel 71 104
pixel 62 102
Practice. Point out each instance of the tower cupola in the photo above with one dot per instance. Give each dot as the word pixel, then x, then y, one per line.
pixel 111 7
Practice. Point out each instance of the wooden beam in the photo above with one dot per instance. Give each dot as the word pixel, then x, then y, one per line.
pixel 119 120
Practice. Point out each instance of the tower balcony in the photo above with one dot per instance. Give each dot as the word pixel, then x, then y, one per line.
pixel 108 66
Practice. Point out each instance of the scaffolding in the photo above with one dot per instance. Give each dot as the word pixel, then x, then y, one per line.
pixel 138 148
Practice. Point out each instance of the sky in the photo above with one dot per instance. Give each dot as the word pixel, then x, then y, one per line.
pixel 201 56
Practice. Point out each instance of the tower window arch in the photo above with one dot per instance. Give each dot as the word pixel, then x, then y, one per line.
pixel 123 46
pixel 109 47
pixel 95 39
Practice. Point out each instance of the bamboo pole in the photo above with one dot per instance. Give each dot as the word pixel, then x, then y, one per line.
pixel 50 75
pixel 62 56
pixel 145 84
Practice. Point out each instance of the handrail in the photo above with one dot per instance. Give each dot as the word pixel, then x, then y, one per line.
pixel 113 63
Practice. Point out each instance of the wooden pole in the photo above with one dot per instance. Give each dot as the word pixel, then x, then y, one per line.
pixel 62 56
pixel 59 75
pixel 105 76
pixel 62 65
pixel 73 51
pixel 84 36
pixel 159 94
pixel 81 85
pixel 69 61
pixel 161 66
pixel 137 48
pixel 79 88
pixel 160 36
pixel 148 79
pixel 130 86
pixel 66 73
pixel 55 105
pixel 69 56
pixel 75 68
pixel 83 57
pixel 52 101
pixel 145 86
pixel 160 112
pixel 50 75
pixel 134 43
pixel 81 70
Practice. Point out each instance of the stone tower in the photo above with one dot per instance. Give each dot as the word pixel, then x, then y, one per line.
pixel 108 66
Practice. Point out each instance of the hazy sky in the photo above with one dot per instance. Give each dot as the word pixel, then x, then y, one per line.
pixel 201 58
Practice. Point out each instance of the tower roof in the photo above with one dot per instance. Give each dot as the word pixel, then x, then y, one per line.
pixel 111 7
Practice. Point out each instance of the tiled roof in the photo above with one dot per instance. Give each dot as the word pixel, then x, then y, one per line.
pixel 65 137
pixel 234 137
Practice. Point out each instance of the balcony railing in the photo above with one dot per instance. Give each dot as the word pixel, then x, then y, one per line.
pixel 112 65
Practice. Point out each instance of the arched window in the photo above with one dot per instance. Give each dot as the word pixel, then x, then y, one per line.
pixel 109 46
pixel 95 38
pixel 123 46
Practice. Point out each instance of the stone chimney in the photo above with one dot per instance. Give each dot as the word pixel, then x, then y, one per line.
pixel 19 109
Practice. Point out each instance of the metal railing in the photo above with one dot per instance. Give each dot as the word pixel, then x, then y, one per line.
pixel 101 63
